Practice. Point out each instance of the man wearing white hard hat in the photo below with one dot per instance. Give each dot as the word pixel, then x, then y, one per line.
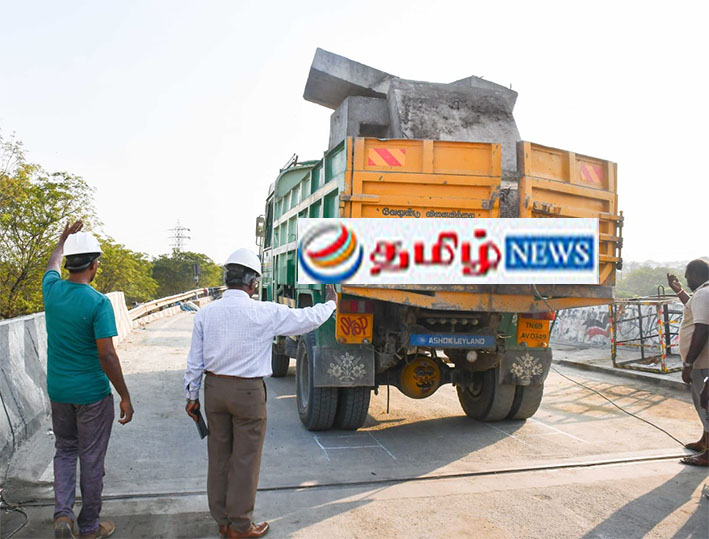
pixel 81 360
pixel 231 345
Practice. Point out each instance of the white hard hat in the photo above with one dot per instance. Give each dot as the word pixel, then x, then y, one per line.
pixel 246 258
pixel 81 243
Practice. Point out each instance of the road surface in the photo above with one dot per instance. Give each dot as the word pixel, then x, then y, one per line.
pixel 579 468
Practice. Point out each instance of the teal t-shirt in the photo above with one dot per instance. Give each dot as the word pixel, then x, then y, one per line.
pixel 76 315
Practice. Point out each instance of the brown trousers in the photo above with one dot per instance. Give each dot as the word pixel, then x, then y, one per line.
pixel 236 416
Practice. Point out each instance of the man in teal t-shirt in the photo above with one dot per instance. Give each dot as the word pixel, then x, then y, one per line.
pixel 81 360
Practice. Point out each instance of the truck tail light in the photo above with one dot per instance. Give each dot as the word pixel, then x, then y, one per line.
pixel 356 306
pixel 551 315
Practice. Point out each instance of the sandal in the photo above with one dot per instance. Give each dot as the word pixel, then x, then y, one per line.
pixel 695 460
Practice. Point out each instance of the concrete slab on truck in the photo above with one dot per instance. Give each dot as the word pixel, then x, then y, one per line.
pixel 332 78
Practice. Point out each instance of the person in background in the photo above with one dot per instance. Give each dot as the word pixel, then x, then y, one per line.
pixel 81 360
pixel 694 346
pixel 231 345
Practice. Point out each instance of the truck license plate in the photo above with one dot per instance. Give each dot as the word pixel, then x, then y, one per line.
pixel 354 327
pixel 533 332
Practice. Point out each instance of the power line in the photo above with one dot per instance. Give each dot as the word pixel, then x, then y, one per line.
pixel 179 237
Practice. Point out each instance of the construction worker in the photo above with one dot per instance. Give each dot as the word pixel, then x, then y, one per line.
pixel 694 347
pixel 231 345
pixel 80 362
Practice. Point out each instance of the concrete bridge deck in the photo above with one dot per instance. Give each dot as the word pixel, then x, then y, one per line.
pixel 579 468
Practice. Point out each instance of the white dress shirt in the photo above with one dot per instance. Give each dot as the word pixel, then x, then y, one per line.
pixel 233 336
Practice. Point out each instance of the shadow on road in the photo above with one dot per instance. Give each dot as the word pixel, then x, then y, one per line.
pixel 594 408
pixel 639 517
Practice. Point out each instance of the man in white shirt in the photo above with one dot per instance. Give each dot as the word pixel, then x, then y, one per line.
pixel 231 345
pixel 694 346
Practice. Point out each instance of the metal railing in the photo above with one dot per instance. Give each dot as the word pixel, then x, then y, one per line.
pixel 649 325
pixel 156 305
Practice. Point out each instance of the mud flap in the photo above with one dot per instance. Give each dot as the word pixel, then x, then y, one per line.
pixel 524 367
pixel 343 366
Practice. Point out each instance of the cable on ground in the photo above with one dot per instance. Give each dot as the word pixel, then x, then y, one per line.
pixel 617 406
pixel 7 507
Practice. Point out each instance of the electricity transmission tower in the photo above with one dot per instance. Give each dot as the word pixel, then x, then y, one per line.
pixel 179 237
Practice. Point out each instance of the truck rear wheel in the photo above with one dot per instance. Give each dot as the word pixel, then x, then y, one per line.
pixel 485 399
pixel 352 407
pixel 279 364
pixel 316 405
pixel 526 402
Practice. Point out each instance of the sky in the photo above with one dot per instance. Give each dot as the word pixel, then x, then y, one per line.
pixel 184 110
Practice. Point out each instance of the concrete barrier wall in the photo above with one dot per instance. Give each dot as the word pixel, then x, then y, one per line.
pixel 124 324
pixel 23 370
pixel 23 380
pixel 590 326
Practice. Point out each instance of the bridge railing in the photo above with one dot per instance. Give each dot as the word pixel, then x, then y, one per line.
pixel 156 305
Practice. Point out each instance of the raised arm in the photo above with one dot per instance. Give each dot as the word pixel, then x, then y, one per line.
pixel 55 260
pixel 676 287
pixel 289 321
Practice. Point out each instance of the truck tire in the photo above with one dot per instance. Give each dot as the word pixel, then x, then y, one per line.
pixel 316 405
pixel 485 399
pixel 279 364
pixel 352 407
pixel 527 401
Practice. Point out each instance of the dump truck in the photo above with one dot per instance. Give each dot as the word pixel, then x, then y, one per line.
pixel 490 341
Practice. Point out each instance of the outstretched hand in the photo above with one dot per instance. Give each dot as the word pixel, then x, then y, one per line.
pixel 70 229
pixel 674 283
pixel 55 259
pixel 330 293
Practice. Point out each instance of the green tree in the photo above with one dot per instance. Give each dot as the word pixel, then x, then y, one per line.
pixel 175 273
pixel 125 270
pixel 643 281
pixel 34 206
